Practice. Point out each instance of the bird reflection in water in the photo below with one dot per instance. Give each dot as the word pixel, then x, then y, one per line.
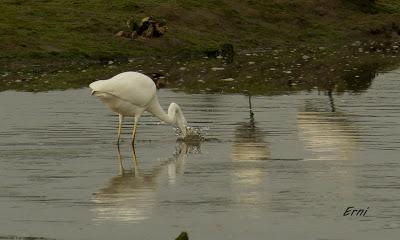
pixel 327 134
pixel 131 195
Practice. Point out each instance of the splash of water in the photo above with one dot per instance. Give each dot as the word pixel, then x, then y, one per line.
pixel 193 134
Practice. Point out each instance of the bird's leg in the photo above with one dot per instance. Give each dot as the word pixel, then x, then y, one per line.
pixel 134 130
pixel 120 118
pixel 135 162
pixel 121 167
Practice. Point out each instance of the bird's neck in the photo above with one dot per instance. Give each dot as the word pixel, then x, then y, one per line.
pixel 174 117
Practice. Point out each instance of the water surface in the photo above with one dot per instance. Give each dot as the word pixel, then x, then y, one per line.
pixel 286 172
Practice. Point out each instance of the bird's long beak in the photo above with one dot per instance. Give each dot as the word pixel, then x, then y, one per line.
pixel 93 91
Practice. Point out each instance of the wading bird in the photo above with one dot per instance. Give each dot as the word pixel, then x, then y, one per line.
pixel 132 93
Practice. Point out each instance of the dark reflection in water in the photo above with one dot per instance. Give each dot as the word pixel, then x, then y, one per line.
pixel 359 79
pixel 326 133
pixel 249 141
pixel 257 72
pixel 131 196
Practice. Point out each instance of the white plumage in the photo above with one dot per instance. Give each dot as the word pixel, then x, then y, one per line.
pixel 132 93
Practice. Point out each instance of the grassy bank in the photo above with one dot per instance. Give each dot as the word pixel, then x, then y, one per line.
pixel 34 29
pixel 294 45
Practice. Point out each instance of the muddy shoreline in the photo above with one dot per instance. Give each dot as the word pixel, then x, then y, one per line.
pixel 262 71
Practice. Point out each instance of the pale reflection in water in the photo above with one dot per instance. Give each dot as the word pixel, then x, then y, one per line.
pixel 327 134
pixel 131 196
pixel 249 143
pixel 248 147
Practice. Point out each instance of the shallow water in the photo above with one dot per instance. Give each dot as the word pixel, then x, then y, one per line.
pixel 288 172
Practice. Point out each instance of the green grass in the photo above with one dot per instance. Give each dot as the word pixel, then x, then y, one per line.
pixel 84 29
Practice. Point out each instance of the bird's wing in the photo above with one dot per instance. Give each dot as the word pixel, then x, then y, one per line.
pixel 133 87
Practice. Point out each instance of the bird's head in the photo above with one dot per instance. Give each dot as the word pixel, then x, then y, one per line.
pixel 192 136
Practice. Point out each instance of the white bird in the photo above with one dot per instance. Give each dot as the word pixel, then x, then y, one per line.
pixel 132 93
